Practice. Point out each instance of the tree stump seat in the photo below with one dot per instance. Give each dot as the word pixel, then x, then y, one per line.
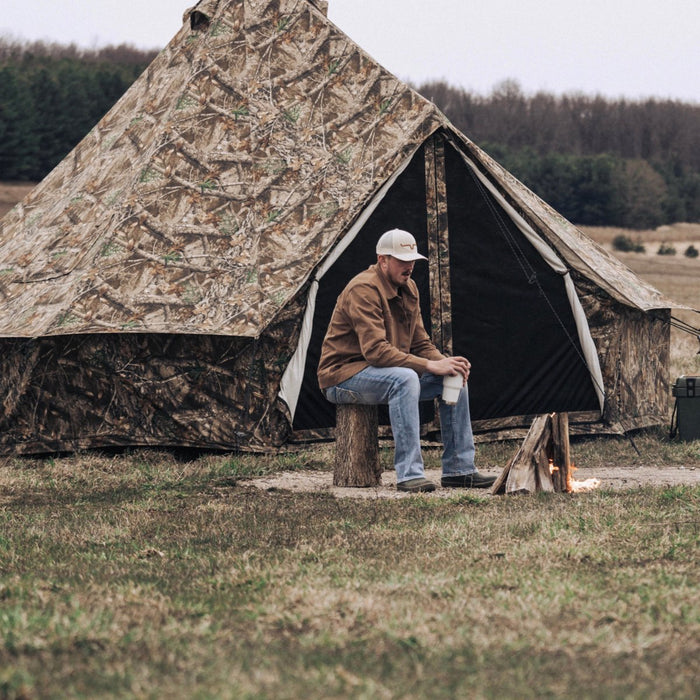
pixel 356 446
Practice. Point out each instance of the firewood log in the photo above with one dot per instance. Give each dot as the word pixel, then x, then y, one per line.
pixel 530 469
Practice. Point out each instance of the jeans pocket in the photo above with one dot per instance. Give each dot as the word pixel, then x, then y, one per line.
pixel 336 394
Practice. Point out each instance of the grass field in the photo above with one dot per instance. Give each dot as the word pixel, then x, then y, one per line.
pixel 138 575
pixel 152 574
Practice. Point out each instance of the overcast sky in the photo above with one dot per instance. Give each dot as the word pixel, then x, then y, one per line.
pixel 616 48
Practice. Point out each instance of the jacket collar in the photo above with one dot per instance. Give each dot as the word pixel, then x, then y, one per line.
pixel 388 289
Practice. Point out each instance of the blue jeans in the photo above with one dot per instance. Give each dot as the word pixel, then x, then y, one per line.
pixel 401 388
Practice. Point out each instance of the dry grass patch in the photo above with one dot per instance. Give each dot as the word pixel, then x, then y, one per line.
pixel 145 575
pixel 672 233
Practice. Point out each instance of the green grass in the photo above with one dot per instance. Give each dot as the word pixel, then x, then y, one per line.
pixel 148 575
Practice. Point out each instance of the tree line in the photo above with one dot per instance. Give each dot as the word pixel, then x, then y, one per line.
pixel 52 95
pixel 634 164
pixel 626 163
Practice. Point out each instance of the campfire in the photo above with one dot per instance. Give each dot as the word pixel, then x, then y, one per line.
pixel 576 486
pixel 543 461
pixel 573 485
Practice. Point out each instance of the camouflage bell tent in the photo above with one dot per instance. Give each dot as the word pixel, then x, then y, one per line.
pixel 170 281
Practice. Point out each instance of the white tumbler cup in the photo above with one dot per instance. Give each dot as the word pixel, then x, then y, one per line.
pixel 451 386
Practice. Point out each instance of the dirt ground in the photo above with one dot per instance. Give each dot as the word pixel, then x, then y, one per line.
pixel 615 478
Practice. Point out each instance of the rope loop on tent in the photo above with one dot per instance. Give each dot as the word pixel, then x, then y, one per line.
pixel 681 325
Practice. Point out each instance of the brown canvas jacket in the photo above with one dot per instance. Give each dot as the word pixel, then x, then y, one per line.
pixel 373 324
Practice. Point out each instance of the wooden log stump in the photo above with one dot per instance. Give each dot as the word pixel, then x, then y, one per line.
pixel 560 452
pixel 356 446
pixel 542 463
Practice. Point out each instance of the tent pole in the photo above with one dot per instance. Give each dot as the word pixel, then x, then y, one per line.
pixel 438 243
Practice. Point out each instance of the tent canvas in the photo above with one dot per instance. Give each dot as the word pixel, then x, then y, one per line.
pixel 168 282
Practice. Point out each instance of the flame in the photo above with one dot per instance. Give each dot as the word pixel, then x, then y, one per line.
pixel 586 485
pixel 574 486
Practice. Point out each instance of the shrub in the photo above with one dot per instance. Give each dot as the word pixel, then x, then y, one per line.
pixel 691 251
pixel 627 245
pixel 665 249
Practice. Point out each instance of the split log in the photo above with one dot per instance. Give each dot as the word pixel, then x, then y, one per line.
pixel 356 446
pixel 561 452
pixel 530 469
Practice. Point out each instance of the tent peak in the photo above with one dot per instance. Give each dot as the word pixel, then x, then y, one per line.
pixel 200 15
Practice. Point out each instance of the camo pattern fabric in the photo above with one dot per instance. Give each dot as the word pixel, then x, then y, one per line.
pixel 634 351
pixel 204 199
pixel 86 391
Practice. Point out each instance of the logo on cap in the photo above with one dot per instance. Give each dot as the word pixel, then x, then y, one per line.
pixel 399 244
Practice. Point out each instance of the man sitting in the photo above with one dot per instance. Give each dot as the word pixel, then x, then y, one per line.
pixel 377 351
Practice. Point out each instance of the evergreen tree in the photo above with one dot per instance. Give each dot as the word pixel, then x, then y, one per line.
pixel 18 140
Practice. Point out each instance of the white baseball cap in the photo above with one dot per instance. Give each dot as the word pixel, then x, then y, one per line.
pixel 400 245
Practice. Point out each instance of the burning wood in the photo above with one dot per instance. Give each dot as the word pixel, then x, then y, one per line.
pixel 543 461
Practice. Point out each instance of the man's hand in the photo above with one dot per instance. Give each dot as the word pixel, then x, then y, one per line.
pixel 450 365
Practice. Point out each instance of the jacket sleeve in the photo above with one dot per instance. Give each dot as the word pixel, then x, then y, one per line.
pixel 422 345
